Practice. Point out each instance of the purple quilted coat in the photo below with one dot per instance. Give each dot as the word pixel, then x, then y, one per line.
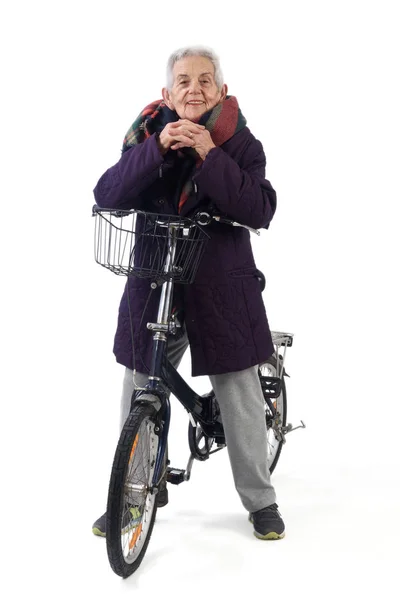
pixel 224 312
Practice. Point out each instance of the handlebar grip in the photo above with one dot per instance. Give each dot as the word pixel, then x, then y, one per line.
pixel 116 212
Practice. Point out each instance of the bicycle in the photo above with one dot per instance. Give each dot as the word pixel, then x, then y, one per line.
pixel 168 249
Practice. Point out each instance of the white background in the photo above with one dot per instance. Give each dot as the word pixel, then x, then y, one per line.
pixel 318 84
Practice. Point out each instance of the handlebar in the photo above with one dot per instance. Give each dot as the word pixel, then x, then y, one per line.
pixel 205 218
pixel 202 218
pixel 143 244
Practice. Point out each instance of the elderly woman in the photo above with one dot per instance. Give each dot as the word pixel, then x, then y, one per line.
pixel 185 153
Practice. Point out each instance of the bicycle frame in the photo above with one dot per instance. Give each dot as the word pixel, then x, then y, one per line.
pixel 161 369
pixel 163 377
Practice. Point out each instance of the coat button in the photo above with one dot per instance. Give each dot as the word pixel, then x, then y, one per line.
pixel 161 201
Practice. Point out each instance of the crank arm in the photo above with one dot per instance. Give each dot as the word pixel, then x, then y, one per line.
pixel 189 468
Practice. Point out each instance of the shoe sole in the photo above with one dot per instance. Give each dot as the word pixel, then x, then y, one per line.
pixel 271 535
pixel 98 532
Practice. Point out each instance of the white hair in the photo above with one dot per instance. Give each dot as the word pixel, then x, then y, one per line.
pixel 194 51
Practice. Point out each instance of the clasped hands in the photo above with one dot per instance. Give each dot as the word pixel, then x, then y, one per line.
pixel 185 134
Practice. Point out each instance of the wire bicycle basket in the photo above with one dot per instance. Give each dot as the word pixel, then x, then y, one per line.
pixel 137 243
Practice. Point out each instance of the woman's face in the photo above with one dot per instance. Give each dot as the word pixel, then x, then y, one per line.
pixel 194 90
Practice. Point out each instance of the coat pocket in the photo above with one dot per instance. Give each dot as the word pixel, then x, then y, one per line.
pixel 241 273
pixel 249 272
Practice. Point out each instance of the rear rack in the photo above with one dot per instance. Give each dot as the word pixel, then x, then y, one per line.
pixel 283 340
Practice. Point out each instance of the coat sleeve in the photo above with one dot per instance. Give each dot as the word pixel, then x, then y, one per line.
pixel 239 190
pixel 122 184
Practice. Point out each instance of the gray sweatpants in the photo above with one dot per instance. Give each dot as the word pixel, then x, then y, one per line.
pixel 241 403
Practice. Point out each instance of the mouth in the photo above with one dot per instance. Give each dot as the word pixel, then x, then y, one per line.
pixel 195 103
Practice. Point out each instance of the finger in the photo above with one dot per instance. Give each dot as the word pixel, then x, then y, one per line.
pixel 180 134
pixel 188 141
pixel 173 128
pixel 190 134
pixel 180 145
pixel 192 126
pixel 183 131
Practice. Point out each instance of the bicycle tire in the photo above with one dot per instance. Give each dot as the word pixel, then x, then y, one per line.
pixel 137 432
pixel 282 407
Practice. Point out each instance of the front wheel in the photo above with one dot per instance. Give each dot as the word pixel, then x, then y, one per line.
pixel 131 506
pixel 275 425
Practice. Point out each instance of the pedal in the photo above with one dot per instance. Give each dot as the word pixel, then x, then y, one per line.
pixel 175 476
pixel 271 386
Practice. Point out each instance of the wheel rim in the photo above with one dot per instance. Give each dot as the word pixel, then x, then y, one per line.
pixel 138 501
pixel 273 443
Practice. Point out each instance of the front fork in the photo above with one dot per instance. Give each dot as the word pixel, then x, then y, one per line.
pixel 161 429
pixel 161 421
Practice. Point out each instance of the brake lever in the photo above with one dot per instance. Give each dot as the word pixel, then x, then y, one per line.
pixel 235 224
pixel 204 218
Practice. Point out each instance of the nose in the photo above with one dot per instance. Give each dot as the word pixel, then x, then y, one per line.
pixel 194 87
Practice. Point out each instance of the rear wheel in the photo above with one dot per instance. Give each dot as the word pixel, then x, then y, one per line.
pixel 132 506
pixel 274 425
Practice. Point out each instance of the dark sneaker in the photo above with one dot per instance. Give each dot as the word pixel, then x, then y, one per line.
pixel 99 526
pixel 129 521
pixel 268 523
pixel 162 497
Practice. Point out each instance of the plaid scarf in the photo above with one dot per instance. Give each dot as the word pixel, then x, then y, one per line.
pixel 223 121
